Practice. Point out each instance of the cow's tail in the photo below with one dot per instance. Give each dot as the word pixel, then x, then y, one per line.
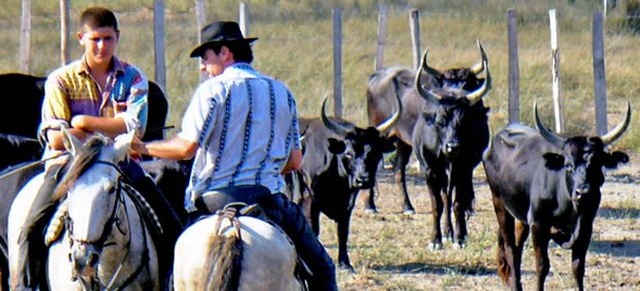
pixel 224 262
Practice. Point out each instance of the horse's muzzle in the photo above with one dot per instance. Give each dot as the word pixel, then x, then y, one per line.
pixel 84 258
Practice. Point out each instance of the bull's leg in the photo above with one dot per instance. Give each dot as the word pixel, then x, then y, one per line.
pixel 343 237
pixel 399 168
pixel 314 215
pixel 448 224
pixel 369 200
pixel 540 235
pixel 521 235
pixel 435 187
pixel 462 204
pixel 579 253
pixel 508 259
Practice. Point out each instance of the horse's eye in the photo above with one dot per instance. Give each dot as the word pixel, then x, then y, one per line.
pixel 111 189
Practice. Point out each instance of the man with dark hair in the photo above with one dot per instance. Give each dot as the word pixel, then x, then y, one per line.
pixel 242 128
pixel 98 93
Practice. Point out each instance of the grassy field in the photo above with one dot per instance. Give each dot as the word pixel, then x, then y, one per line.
pixel 388 250
pixel 295 46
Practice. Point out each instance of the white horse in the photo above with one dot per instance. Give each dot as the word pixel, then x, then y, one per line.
pixel 98 237
pixel 240 253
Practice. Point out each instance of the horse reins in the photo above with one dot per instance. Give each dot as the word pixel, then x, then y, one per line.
pixel 113 219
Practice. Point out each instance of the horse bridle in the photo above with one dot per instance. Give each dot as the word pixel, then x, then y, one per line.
pixel 101 242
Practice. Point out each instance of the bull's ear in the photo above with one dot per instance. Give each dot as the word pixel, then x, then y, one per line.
pixel 387 146
pixel 553 161
pixel 612 160
pixel 336 147
pixel 429 118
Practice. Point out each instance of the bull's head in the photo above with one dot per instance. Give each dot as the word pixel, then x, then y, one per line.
pixel 449 103
pixel 583 158
pixel 364 147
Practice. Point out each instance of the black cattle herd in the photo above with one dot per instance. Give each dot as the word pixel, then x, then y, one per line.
pixel 542 184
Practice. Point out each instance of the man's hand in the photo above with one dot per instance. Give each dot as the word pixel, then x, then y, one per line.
pixel 138 147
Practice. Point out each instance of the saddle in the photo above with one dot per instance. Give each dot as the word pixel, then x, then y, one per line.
pixel 232 210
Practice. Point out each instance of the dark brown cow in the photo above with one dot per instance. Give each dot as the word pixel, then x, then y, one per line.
pixel 385 84
pixel 549 186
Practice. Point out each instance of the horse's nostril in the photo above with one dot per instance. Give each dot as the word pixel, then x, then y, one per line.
pixel 70 257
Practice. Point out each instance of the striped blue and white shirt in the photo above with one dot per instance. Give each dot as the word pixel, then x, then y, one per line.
pixel 245 124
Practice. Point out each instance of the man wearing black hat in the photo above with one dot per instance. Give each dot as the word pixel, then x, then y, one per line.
pixel 242 128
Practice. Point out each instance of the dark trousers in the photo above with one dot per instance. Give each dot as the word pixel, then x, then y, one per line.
pixel 289 217
pixel 31 264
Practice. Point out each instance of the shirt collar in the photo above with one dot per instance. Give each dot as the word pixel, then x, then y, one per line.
pixel 117 67
pixel 242 66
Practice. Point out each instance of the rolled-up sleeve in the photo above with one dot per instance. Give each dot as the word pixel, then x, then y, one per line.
pixel 56 112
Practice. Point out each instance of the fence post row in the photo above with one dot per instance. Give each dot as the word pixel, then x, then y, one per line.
pixel 555 73
pixel 514 68
pixel 25 36
pixel 382 31
pixel 158 40
pixel 414 24
pixel 243 18
pixel 599 80
pixel 337 62
pixel 65 41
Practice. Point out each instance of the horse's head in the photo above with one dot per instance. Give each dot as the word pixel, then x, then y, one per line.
pixel 93 201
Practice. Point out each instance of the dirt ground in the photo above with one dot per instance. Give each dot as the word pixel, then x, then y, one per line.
pixel 389 250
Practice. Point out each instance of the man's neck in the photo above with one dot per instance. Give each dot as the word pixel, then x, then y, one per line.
pixel 99 68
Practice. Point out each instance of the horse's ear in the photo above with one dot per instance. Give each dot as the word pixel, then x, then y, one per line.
pixel 71 143
pixel 122 144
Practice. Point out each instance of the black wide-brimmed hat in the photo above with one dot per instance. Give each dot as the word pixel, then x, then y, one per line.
pixel 219 32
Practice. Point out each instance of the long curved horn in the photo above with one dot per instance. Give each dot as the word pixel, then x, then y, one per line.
pixel 479 67
pixel 615 133
pixel 477 95
pixel 544 131
pixel 386 126
pixel 336 128
pixel 418 81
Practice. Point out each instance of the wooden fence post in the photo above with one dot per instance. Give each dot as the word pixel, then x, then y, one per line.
pixel 25 36
pixel 514 69
pixel 158 41
pixel 414 24
pixel 201 18
pixel 65 41
pixel 244 18
pixel 599 79
pixel 382 31
pixel 555 73
pixel 337 62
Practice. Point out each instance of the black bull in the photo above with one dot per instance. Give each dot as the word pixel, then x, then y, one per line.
pixel 18 133
pixel 446 125
pixel 385 84
pixel 339 159
pixel 549 186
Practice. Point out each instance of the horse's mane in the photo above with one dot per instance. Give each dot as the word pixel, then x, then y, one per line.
pixel 84 158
